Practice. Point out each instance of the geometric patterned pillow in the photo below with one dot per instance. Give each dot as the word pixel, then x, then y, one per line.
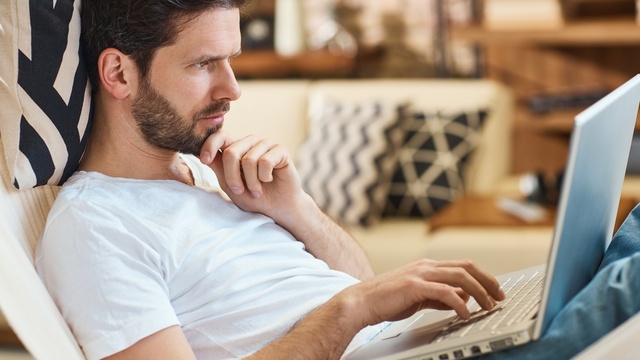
pixel 44 90
pixel 348 157
pixel 432 160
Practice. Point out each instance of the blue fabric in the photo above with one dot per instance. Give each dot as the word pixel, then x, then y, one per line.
pixel 609 299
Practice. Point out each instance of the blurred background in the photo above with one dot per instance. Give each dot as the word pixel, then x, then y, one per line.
pixel 557 56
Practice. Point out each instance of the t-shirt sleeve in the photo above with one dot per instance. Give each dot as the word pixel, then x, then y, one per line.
pixel 203 176
pixel 108 283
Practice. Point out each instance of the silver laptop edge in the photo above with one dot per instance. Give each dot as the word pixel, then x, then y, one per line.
pixel 565 278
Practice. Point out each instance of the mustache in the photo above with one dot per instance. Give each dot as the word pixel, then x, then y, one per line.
pixel 213 109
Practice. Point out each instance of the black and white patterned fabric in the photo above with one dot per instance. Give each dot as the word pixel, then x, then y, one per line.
pixel 432 160
pixel 44 90
pixel 348 157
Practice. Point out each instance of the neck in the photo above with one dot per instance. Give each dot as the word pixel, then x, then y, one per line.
pixel 116 148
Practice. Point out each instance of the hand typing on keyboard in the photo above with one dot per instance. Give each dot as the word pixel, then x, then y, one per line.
pixel 523 295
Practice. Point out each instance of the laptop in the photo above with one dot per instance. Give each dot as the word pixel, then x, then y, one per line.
pixel 598 155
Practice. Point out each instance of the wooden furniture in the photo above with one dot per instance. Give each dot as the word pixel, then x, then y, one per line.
pixel 483 211
pixel 268 64
pixel 586 54
pixel 265 63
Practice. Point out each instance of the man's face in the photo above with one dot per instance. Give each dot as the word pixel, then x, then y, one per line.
pixel 185 95
pixel 162 126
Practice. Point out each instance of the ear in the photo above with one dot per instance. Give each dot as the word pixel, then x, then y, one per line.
pixel 117 72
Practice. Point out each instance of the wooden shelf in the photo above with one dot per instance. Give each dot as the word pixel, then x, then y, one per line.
pixel 596 32
pixel 558 122
pixel 268 64
pixel 591 50
pixel 478 211
pixel 541 141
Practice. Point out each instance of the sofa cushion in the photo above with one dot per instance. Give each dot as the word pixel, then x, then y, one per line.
pixel 347 159
pixel 431 162
pixel 277 109
pixel 44 90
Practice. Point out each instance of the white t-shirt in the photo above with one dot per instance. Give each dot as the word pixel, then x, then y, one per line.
pixel 125 258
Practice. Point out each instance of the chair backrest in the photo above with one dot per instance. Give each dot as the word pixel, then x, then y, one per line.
pixel 24 300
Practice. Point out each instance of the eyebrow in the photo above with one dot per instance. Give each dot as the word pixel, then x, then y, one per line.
pixel 213 58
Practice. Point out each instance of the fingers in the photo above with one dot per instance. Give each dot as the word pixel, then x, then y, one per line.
pixel 242 162
pixel 462 278
pixel 213 145
pixel 486 281
pixel 426 284
pixel 448 285
pixel 250 162
pixel 445 297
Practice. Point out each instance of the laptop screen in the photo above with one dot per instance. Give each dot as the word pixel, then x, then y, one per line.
pixel 590 195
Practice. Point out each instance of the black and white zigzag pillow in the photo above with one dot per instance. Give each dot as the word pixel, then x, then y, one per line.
pixel 347 159
pixel 44 90
pixel 432 161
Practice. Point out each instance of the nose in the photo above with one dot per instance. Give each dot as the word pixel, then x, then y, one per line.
pixel 227 86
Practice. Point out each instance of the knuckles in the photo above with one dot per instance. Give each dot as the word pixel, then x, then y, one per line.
pixel 425 263
pixel 467 263
pixel 430 270
pixel 231 154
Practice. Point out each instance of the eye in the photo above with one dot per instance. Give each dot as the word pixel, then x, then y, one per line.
pixel 201 64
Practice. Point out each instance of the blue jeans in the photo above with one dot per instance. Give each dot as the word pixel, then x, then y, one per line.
pixel 612 296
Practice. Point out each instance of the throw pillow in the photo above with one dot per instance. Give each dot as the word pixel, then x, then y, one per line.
pixel 347 160
pixel 432 160
pixel 44 90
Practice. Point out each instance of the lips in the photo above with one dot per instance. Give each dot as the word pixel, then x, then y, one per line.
pixel 214 120
pixel 213 115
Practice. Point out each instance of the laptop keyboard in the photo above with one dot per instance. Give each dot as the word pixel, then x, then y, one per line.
pixel 523 295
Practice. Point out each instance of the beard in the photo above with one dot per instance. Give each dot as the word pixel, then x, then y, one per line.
pixel 162 126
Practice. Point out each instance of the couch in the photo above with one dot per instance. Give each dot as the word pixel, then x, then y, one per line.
pixel 277 109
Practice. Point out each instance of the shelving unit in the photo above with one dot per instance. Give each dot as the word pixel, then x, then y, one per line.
pixel 590 53
pixel 623 30
pixel 268 64
pixel 264 62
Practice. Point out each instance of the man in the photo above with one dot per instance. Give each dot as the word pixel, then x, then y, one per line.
pixel 144 261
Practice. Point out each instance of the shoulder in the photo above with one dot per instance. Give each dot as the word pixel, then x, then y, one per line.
pixel 93 210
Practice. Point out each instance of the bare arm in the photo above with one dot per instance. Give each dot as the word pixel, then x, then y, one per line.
pixel 324 334
pixel 259 176
pixel 328 241
pixel 166 344
pixel 327 331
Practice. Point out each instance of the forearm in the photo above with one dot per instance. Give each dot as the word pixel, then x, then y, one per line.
pixel 269 184
pixel 324 335
pixel 327 241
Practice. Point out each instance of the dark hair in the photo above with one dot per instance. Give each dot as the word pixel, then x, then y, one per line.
pixel 138 27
